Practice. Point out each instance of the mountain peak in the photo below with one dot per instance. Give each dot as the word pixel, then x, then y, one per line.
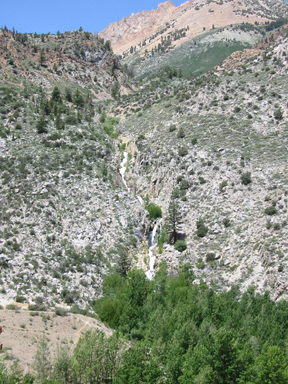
pixel 145 29
pixel 167 4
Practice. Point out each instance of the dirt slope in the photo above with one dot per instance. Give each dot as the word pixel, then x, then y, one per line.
pixel 21 333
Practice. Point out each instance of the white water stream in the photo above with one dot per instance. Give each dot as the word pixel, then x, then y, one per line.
pixel 123 169
pixel 152 235
pixel 152 245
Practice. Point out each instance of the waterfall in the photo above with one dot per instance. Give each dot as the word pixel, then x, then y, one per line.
pixel 122 169
pixel 140 199
pixel 152 244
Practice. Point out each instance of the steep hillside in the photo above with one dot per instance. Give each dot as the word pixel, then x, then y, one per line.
pixel 78 58
pixel 64 219
pixel 224 160
pixel 215 144
pixel 201 54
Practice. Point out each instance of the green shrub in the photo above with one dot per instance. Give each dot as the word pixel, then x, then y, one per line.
pixel 76 309
pixel 278 114
pixel 71 120
pixel 41 125
pixel 223 184
pixel 172 128
pixel 210 256
pixel 102 118
pixel 122 147
pixel 226 222
pixel 11 306
pixel 20 299
pixel 246 178
pixel 175 194
pixel 3 132
pixel 59 123
pixel 182 151
pixel 18 126
pixel 268 224
pixel 202 180
pixel 54 136
pixel 184 184
pixel 202 230
pixel 32 307
pixel 180 245
pixel 194 141
pixel 200 264
pixel 108 126
pixel 270 211
pixel 154 211
pixel 181 133
pixel 61 311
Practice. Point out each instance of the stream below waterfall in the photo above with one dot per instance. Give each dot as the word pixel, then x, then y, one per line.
pixel 152 234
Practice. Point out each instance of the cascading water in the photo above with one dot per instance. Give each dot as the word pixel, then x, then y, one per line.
pixel 123 169
pixel 152 243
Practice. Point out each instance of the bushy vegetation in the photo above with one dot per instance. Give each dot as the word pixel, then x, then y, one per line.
pixel 185 332
pixel 180 245
pixel 246 178
pixel 270 210
pixel 223 184
pixel 154 211
pixel 202 230
pixel 182 151
pixel 108 125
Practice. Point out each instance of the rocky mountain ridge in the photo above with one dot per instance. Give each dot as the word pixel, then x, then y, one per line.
pixel 143 31
pixel 78 58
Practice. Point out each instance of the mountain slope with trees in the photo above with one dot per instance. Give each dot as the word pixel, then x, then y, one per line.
pixel 207 153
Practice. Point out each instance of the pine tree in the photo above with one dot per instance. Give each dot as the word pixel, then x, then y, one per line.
pixel 41 364
pixel 62 365
pixel 42 57
pixel 56 95
pixel 173 220
pixel 124 263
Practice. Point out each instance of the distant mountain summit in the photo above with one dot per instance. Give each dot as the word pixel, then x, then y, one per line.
pixel 144 30
pixel 131 30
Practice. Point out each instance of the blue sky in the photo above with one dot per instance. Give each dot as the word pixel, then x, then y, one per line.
pixel 66 15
